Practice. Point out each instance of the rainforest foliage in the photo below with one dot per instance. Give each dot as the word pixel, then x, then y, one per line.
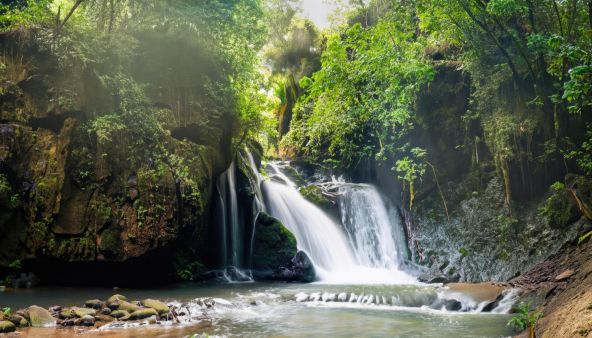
pixel 530 65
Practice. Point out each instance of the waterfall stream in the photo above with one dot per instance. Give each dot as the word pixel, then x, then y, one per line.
pixel 366 252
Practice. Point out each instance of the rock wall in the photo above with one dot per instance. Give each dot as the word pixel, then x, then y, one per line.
pixel 67 198
pixel 462 226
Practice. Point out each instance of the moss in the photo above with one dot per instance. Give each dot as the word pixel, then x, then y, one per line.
pixel 274 245
pixel 314 194
pixel 558 210
pixel 110 240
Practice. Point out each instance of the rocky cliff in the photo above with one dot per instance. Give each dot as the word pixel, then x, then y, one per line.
pixel 82 178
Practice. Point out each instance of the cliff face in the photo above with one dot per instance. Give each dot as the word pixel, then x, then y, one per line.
pixel 69 196
pixel 477 217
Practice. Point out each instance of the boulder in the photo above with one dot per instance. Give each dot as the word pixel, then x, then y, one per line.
pixel 66 313
pixel 81 312
pixel 119 314
pixel 157 305
pixel 87 320
pixel 115 298
pixel 7 326
pixel 40 317
pixel 93 304
pixel 299 269
pixel 143 313
pixel 18 320
pixel 453 305
pixel 106 311
pixel 123 305
pixel 273 245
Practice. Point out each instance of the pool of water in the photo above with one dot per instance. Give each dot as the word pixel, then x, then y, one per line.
pixel 272 310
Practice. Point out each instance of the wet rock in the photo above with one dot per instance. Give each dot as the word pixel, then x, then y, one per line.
pixel 40 317
pixel 87 320
pixel 564 275
pixel 18 320
pixel 104 318
pixel 157 305
pixel 69 322
pixel 342 297
pixel 116 297
pixel 273 245
pixel 66 314
pixel 93 304
pixel 106 311
pixel 55 308
pixel 143 313
pixel 492 305
pixel 123 305
pixel 7 326
pixel 300 269
pixel 81 312
pixel 453 305
pixel 119 314
pixel 434 279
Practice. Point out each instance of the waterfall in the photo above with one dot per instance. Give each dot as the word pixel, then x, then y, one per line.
pixel 372 225
pixel 365 253
pixel 231 229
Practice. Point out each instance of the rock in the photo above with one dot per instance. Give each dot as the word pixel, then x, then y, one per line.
pixel 434 279
pixel 157 305
pixel 18 320
pixel 55 308
pixel 66 314
pixel 40 317
pixel 342 297
pixel 143 313
pixel 300 269
pixel 87 320
pixel 93 304
pixel 273 245
pixel 104 318
pixel 492 305
pixel 81 312
pixel 453 305
pixel 69 322
pixel 7 326
pixel 123 305
pixel 115 298
pixel 25 280
pixel 564 275
pixel 106 311
pixel 119 314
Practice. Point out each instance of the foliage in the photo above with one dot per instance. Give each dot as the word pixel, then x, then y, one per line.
pixel 6 312
pixel 524 318
pixel 359 105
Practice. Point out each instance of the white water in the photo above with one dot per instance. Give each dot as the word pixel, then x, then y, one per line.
pixel 338 260
pixel 232 232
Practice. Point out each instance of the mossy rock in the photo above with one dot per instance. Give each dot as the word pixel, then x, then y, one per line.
pixel 81 312
pixel 143 313
pixel 123 305
pixel 93 304
pixel 314 194
pixel 119 314
pixel 115 298
pixel 110 240
pixel 274 245
pixel 6 326
pixel 40 317
pixel 157 305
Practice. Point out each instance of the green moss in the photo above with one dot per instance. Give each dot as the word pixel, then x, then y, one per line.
pixel 110 239
pixel 558 210
pixel 314 194
pixel 274 245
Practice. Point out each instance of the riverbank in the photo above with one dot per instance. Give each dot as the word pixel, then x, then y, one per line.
pixel 561 288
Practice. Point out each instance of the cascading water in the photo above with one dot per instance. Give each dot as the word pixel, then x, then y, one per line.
pixel 336 259
pixel 372 226
pixel 231 230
